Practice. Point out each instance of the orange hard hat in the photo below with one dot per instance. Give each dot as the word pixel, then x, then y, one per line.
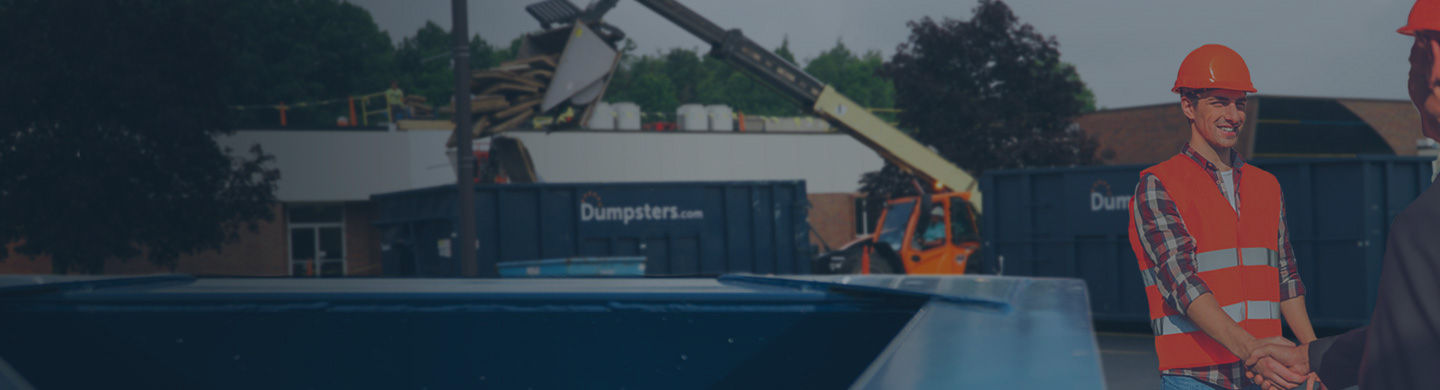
pixel 1213 67
pixel 1425 15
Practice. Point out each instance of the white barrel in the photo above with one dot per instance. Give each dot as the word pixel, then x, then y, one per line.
pixel 627 116
pixel 692 117
pixel 722 118
pixel 602 117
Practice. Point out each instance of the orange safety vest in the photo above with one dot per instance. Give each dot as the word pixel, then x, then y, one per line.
pixel 1235 254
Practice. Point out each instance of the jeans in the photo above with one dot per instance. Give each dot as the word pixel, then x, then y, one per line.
pixel 1176 382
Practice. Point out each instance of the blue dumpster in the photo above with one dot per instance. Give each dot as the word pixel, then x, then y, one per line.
pixel 575 266
pixel 1071 222
pixel 680 228
pixel 735 331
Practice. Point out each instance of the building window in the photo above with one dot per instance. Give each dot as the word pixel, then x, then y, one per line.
pixel 863 222
pixel 933 234
pixel 317 239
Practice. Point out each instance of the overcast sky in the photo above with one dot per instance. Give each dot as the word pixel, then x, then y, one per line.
pixel 1127 51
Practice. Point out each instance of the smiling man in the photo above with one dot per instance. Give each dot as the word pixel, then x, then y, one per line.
pixel 1209 233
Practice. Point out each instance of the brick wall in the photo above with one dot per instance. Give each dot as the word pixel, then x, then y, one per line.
pixel 21 264
pixel 259 253
pixel 362 240
pixel 832 216
pixel 262 253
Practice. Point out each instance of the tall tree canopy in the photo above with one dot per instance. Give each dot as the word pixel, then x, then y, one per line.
pixel 107 137
pixel 660 83
pixel 986 93
pixel 855 76
pixel 422 62
pixel 301 51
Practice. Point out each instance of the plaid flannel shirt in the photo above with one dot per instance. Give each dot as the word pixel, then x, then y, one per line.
pixel 1164 238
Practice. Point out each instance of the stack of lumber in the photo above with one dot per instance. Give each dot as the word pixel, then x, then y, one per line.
pixel 507 95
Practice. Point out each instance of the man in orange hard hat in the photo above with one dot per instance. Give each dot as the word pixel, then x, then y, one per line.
pixel 1209 232
pixel 1400 349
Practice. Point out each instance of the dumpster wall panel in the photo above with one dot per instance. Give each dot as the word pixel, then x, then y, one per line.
pixel 557 232
pixel 742 245
pixel 436 245
pixel 487 208
pixel 785 233
pixel 733 332
pixel 1072 222
pixel 519 225
pixel 761 229
pixel 388 334
pixel 701 228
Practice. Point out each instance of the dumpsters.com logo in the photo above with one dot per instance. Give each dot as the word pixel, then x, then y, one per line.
pixel 592 208
pixel 1101 198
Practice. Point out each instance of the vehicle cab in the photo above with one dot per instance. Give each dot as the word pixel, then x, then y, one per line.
pixel 939 236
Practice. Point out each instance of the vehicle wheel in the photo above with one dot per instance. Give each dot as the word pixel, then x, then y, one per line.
pixel 879 266
pixel 853 258
pixel 973 264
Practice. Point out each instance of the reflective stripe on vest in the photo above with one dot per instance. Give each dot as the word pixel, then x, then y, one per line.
pixel 1248 310
pixel 1214 260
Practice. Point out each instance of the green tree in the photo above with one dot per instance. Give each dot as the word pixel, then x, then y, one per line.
pixel 107 143
pixel 725 85
pixel 856 77
pixel 692 78
pixel 1085 96
pixel 485 56
pixel 423 64
pixel 986 93
pixel 784 50
pixel 656 93
pixel 683 68
pixel 302 51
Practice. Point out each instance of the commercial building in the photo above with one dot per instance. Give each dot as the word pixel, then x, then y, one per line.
pixel 1276 126
pixel 323 220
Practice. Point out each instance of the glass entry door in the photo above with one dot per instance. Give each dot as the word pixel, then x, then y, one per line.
pixel 317 250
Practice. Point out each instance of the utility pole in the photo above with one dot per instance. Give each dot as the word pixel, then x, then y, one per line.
pixel 465 157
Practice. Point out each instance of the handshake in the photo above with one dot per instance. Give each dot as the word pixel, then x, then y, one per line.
pixel 1277 363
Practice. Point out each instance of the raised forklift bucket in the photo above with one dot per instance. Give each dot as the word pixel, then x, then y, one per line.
pixel 585 59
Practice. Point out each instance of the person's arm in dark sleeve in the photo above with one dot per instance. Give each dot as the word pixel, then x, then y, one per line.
pixel 1337 358
pixel 1402 344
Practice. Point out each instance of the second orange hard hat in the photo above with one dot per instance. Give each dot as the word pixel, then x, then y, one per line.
pixel 1425 15
pixel 1213 67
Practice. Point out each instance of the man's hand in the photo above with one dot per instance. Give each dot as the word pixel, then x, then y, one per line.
pixel 1276 362
pixel 1254 345
pixel 1270 373
pixel 1314 383
pixel 1295 358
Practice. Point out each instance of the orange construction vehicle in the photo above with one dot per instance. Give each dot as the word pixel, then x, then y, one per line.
pixel 934 234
